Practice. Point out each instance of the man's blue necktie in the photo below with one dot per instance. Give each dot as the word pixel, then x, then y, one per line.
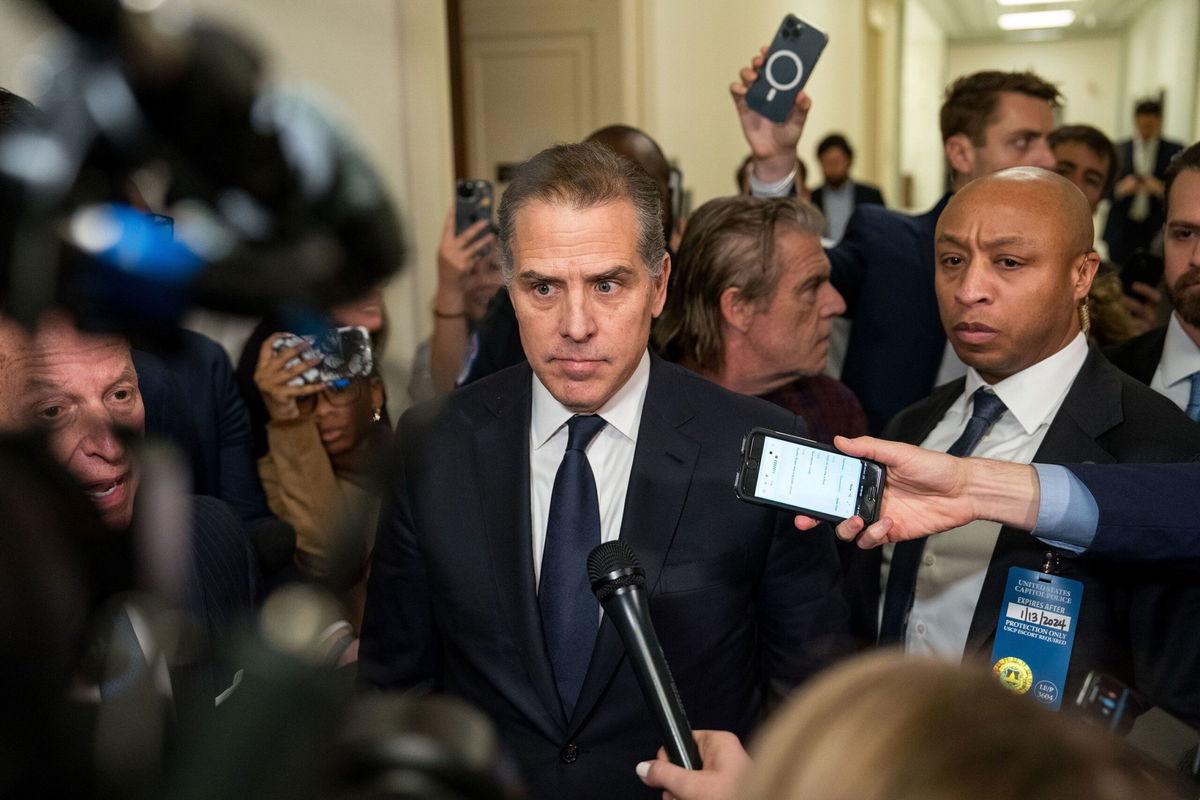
pixel 570 612
pixel 906 556
pixel 1193 406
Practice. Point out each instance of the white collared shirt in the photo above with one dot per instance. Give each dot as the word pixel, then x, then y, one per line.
pixel 610 454
pixel 954 564
pixel 1180 358
pixel 838 205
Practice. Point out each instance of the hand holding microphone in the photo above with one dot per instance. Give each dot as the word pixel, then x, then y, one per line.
pixel 620 585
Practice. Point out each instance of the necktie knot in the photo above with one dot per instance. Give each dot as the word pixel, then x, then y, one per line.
pixel 987 406
pixel 986 409
pixel 582 429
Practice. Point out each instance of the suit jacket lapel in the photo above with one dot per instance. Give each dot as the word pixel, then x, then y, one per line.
pixel 663 463
pixel 502 463
pixel 1091 408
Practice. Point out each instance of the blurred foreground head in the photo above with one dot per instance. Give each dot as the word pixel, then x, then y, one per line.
pixel 82 391
pixel 890 727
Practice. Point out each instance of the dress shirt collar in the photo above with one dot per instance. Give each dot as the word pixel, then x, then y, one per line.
pixel 1180 355
pixel 622 412
pixel 1034 394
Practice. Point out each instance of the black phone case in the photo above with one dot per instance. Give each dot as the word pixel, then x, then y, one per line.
pixel 785 70
pixel 751 498
pixel 472 202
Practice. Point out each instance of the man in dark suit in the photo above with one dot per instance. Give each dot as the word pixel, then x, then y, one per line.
pixel 478 580
pixel 1014 262
pixel 1167 358
pixel 1136 215
pixel 883 267
pixel 82 391
pixel 839 195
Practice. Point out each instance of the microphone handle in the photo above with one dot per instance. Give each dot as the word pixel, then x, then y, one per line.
pixel 628 610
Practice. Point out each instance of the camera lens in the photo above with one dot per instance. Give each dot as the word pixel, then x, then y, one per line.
pixel 466 189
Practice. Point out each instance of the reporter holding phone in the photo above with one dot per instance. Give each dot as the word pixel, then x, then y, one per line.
pixel 323 441
pixel 468 276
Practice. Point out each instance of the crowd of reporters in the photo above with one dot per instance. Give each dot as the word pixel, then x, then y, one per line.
pixel 194 629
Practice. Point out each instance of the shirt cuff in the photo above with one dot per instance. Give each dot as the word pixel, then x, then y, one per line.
pixel 1068 514
pixel 780 188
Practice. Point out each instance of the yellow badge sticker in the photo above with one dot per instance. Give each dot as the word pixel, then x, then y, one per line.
pixel 1014 674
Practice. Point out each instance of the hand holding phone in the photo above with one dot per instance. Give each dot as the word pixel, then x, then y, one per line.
pixel 472 203
pixel 807 477
pixel 340 354
pixel 785 69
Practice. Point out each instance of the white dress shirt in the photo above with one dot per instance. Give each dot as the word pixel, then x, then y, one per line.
pixel 838 205
pixel 1180 358
pixel 610 454
pixel 1145 153
pixel 954 564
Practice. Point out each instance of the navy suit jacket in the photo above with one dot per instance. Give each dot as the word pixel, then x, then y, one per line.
pixel 1139 356
pixel 1135 623
pixel 192 400
pixel 884 269
pixel 740 602
pixel 1147 512
pixel 863 193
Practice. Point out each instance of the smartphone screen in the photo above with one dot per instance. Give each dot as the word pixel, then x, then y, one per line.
pixel 806 477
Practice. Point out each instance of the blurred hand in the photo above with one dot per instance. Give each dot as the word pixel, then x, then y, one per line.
pixel 456 254
pixel 1127 186
pixel 725 762
pixel 1152 186
pixel 772 146
pixel 271 376
pixel 1144 310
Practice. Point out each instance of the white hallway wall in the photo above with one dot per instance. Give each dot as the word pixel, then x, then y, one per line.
pixel 923 67
pixel 1161 52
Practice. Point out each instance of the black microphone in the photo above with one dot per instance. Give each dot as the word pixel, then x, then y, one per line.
pixel 620 585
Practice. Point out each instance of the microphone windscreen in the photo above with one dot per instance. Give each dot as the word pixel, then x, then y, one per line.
pixel 613 565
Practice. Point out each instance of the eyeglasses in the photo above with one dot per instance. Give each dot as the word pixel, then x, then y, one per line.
pixel 334 395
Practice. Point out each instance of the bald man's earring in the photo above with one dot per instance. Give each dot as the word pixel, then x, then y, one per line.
pixel 377 415
pixel 1085 317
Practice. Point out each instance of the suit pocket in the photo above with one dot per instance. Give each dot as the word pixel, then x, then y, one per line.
pixel 692 575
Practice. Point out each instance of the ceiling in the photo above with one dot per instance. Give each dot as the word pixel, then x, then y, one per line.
pixel 966 20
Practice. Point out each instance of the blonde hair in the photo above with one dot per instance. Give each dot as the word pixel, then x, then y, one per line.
pixel 890 727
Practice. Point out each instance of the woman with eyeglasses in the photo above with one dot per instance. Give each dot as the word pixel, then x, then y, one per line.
pixel 324 442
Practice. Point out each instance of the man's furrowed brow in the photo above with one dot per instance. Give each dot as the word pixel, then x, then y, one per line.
pixel 533 276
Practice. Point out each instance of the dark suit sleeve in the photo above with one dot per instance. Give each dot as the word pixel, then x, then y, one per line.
pixel 802 615
pixel 871 194
pixel 1148 512
pixel 399 645
pixel 236 470
pixel 849 260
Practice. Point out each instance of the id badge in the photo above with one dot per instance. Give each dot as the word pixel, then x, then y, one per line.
pixel 1035 633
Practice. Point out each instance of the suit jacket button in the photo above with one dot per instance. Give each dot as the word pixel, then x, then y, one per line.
pixel 569 753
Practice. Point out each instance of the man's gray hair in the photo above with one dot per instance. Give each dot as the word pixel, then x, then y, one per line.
pixel 729 242
pixel 580 176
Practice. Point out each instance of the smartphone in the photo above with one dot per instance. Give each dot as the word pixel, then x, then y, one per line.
pixel 1106 700
pixel 345 354
pixel 785 70
pixel 472 202
pixel 807 477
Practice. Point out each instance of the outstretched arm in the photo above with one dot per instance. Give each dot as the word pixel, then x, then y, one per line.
pixel 928 492
pixel 773 146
